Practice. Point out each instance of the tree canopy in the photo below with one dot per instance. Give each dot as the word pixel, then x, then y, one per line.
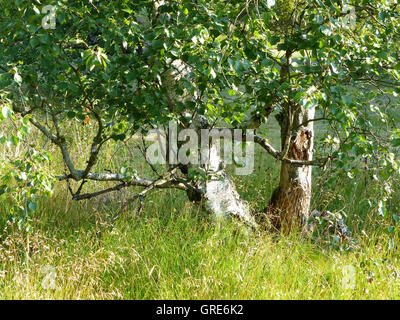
pixel 121 66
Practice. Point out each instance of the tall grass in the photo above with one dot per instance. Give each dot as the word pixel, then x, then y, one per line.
pixel 171 249
pixel 183 255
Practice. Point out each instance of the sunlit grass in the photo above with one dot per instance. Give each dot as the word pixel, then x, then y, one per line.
pixel 171 249
pixel 184 256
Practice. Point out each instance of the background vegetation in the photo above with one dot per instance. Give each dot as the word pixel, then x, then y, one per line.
pixel 169 249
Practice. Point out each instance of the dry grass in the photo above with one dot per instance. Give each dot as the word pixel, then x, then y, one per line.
pixel 173 250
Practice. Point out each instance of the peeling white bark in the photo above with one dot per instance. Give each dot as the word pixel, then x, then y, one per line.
pixel 223 200
pixel 221 196
pixel 219 192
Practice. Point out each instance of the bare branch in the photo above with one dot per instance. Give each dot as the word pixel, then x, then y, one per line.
pixel 96 144
pixel 167 181
pixel 278 155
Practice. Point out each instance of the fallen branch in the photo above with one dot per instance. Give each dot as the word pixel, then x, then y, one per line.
pixel 166 181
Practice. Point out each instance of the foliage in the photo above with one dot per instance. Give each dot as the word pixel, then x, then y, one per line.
pixel 108 65
pixel 24 177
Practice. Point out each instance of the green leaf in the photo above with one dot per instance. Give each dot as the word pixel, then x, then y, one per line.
pixel 32 206
pixel 13 140
pixel 396 142
pixel 34 42
pixel 274 40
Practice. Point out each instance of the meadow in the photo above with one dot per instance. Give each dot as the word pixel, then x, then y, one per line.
pixel 169 248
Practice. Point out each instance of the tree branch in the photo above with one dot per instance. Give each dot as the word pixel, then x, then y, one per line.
pixel 278 155
pixel 166 181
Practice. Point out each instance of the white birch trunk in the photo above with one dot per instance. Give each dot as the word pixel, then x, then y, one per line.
pixel 221 196
pixel 219 192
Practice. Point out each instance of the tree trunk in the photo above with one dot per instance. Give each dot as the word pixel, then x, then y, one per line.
pixel 290 202
pixel 219 191
pixel 221 196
